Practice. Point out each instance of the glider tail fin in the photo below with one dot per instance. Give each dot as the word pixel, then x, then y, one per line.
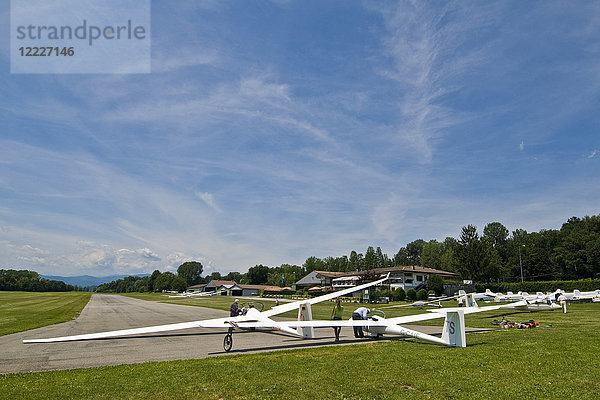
pixel 454 329
pixel 470 301
pixel 305 314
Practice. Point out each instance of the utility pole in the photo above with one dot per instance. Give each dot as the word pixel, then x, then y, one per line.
pixel 520 262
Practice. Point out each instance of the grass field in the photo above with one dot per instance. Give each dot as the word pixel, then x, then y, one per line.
pixel 545 363
pixel 21 311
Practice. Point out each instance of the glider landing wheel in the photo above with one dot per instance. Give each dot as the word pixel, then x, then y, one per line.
pixel 228 342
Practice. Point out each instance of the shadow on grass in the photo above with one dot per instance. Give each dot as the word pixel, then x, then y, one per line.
pixel 297 343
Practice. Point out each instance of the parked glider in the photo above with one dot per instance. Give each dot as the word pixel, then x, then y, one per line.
pixel 423 304
pixel 200 294
pixel 576 295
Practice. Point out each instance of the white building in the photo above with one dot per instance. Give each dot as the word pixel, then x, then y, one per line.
pixel 405 277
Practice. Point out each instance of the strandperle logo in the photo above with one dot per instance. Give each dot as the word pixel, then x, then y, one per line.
pixel 84 31
pixel 80 36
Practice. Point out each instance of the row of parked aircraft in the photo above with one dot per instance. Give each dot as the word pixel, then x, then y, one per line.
pixel 556 296
pixel 453 331
pixel 517 302
pixel 195 294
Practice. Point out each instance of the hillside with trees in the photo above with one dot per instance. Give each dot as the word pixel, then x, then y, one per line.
pixel 30 281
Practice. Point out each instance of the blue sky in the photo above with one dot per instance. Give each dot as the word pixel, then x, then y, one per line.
pixel 271 131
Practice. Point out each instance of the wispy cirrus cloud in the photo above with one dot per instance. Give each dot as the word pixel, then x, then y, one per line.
pixel 429 50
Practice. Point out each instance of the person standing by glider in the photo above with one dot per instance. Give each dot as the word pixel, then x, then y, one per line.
pixel 360 313
pixel 234 310
pixel 336 315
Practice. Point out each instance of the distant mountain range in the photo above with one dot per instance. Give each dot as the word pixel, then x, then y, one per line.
pixel 87 280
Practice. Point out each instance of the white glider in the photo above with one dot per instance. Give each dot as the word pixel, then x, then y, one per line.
pixel 252 318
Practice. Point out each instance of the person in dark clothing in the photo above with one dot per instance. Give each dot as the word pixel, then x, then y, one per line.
pixel 234 310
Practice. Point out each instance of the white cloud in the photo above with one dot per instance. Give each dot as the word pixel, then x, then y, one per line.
pixel 209 199
pixel 521 146
pixel 593 154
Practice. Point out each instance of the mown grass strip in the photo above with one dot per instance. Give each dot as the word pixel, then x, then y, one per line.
pixel 21 311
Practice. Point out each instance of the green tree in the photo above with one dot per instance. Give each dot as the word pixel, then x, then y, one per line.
pixel 435 283
pixel 142 285
pixel 291 273
pixel 382 259
pixel 477 259
pixel 414 250
pixel 411 294
pixel 337 264
pixel 155 275
pixel 422 294
pixel 313 264
pixel 370 259
pixel 258 275
pixel 164 282
pixel 431 256
pixel 411 254
pixel 470 253
pixel 448 259
pixel 215 276
pixel 577 255
pixel 496 233
pixel 179 284
pixel 234 276
pixel 191 272
pixel 401 257
pixel 355 261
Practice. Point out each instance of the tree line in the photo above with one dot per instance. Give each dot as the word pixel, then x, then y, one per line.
pixel 569 253
pixel 30 281
pixel 496 255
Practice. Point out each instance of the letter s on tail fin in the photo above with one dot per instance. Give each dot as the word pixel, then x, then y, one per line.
pixel 454 329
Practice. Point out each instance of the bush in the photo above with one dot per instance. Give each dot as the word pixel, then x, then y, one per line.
pixel 384 293
pixel 422 294
pixel 411 294
pixel 399 294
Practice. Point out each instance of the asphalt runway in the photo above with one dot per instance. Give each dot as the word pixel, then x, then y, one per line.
pixel 112 312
